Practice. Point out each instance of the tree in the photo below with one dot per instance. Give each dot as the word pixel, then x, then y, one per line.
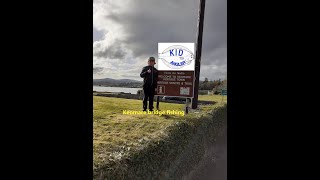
pixel 215 83
pixel 210 85
pixel 204 85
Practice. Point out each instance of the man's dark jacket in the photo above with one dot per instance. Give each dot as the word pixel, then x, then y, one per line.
pixel 149 79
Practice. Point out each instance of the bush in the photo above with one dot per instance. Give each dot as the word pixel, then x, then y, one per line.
pixel 202 92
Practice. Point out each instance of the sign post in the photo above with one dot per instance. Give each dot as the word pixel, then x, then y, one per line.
pixel 158 97
pixel 198 53
pixel 223 93
pixel 186 108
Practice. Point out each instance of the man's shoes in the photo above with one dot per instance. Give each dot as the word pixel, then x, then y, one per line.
pixel 150 109
pixel 144 110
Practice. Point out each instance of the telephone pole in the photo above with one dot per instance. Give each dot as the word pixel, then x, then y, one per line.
pixel 198 53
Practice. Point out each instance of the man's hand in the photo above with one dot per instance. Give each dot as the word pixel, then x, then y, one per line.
pixel 149 71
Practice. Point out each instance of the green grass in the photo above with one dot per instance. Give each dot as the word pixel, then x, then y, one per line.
pixel 115 132
pixel 215 98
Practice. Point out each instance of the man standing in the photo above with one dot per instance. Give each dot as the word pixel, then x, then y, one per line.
pixel 149 74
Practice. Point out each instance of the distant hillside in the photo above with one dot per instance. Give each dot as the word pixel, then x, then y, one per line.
pixel 117 82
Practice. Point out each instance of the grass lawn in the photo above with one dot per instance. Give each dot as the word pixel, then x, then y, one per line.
pixel 115 132
pixel 216 98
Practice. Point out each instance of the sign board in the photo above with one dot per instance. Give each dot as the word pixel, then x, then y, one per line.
pixel 224 92
pixel 176 66
pixel 176 56
pixel 175 83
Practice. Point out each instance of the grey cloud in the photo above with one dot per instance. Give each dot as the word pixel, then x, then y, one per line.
pixel 148 22
pixel 97 69
pixel 97 35
pixel 215 25
pixel 217 73
pixel 173 21
pixel 113 52
pixel 216 57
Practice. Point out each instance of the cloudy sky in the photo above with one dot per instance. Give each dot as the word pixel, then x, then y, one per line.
pixel 127 32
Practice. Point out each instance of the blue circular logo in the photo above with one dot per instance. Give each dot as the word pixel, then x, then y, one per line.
pixel 176 56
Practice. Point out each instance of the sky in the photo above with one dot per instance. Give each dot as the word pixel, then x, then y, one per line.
pixel 126 33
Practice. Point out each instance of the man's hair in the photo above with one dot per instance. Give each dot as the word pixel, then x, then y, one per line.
pixel 151 59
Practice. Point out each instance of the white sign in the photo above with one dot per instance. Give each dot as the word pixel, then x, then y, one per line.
pixel 161 89
pixel 176 56
pixel 184 90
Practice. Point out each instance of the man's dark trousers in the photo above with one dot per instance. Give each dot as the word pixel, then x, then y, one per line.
pixel 148 94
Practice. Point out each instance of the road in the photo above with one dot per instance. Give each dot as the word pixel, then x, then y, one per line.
pixel 214 164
